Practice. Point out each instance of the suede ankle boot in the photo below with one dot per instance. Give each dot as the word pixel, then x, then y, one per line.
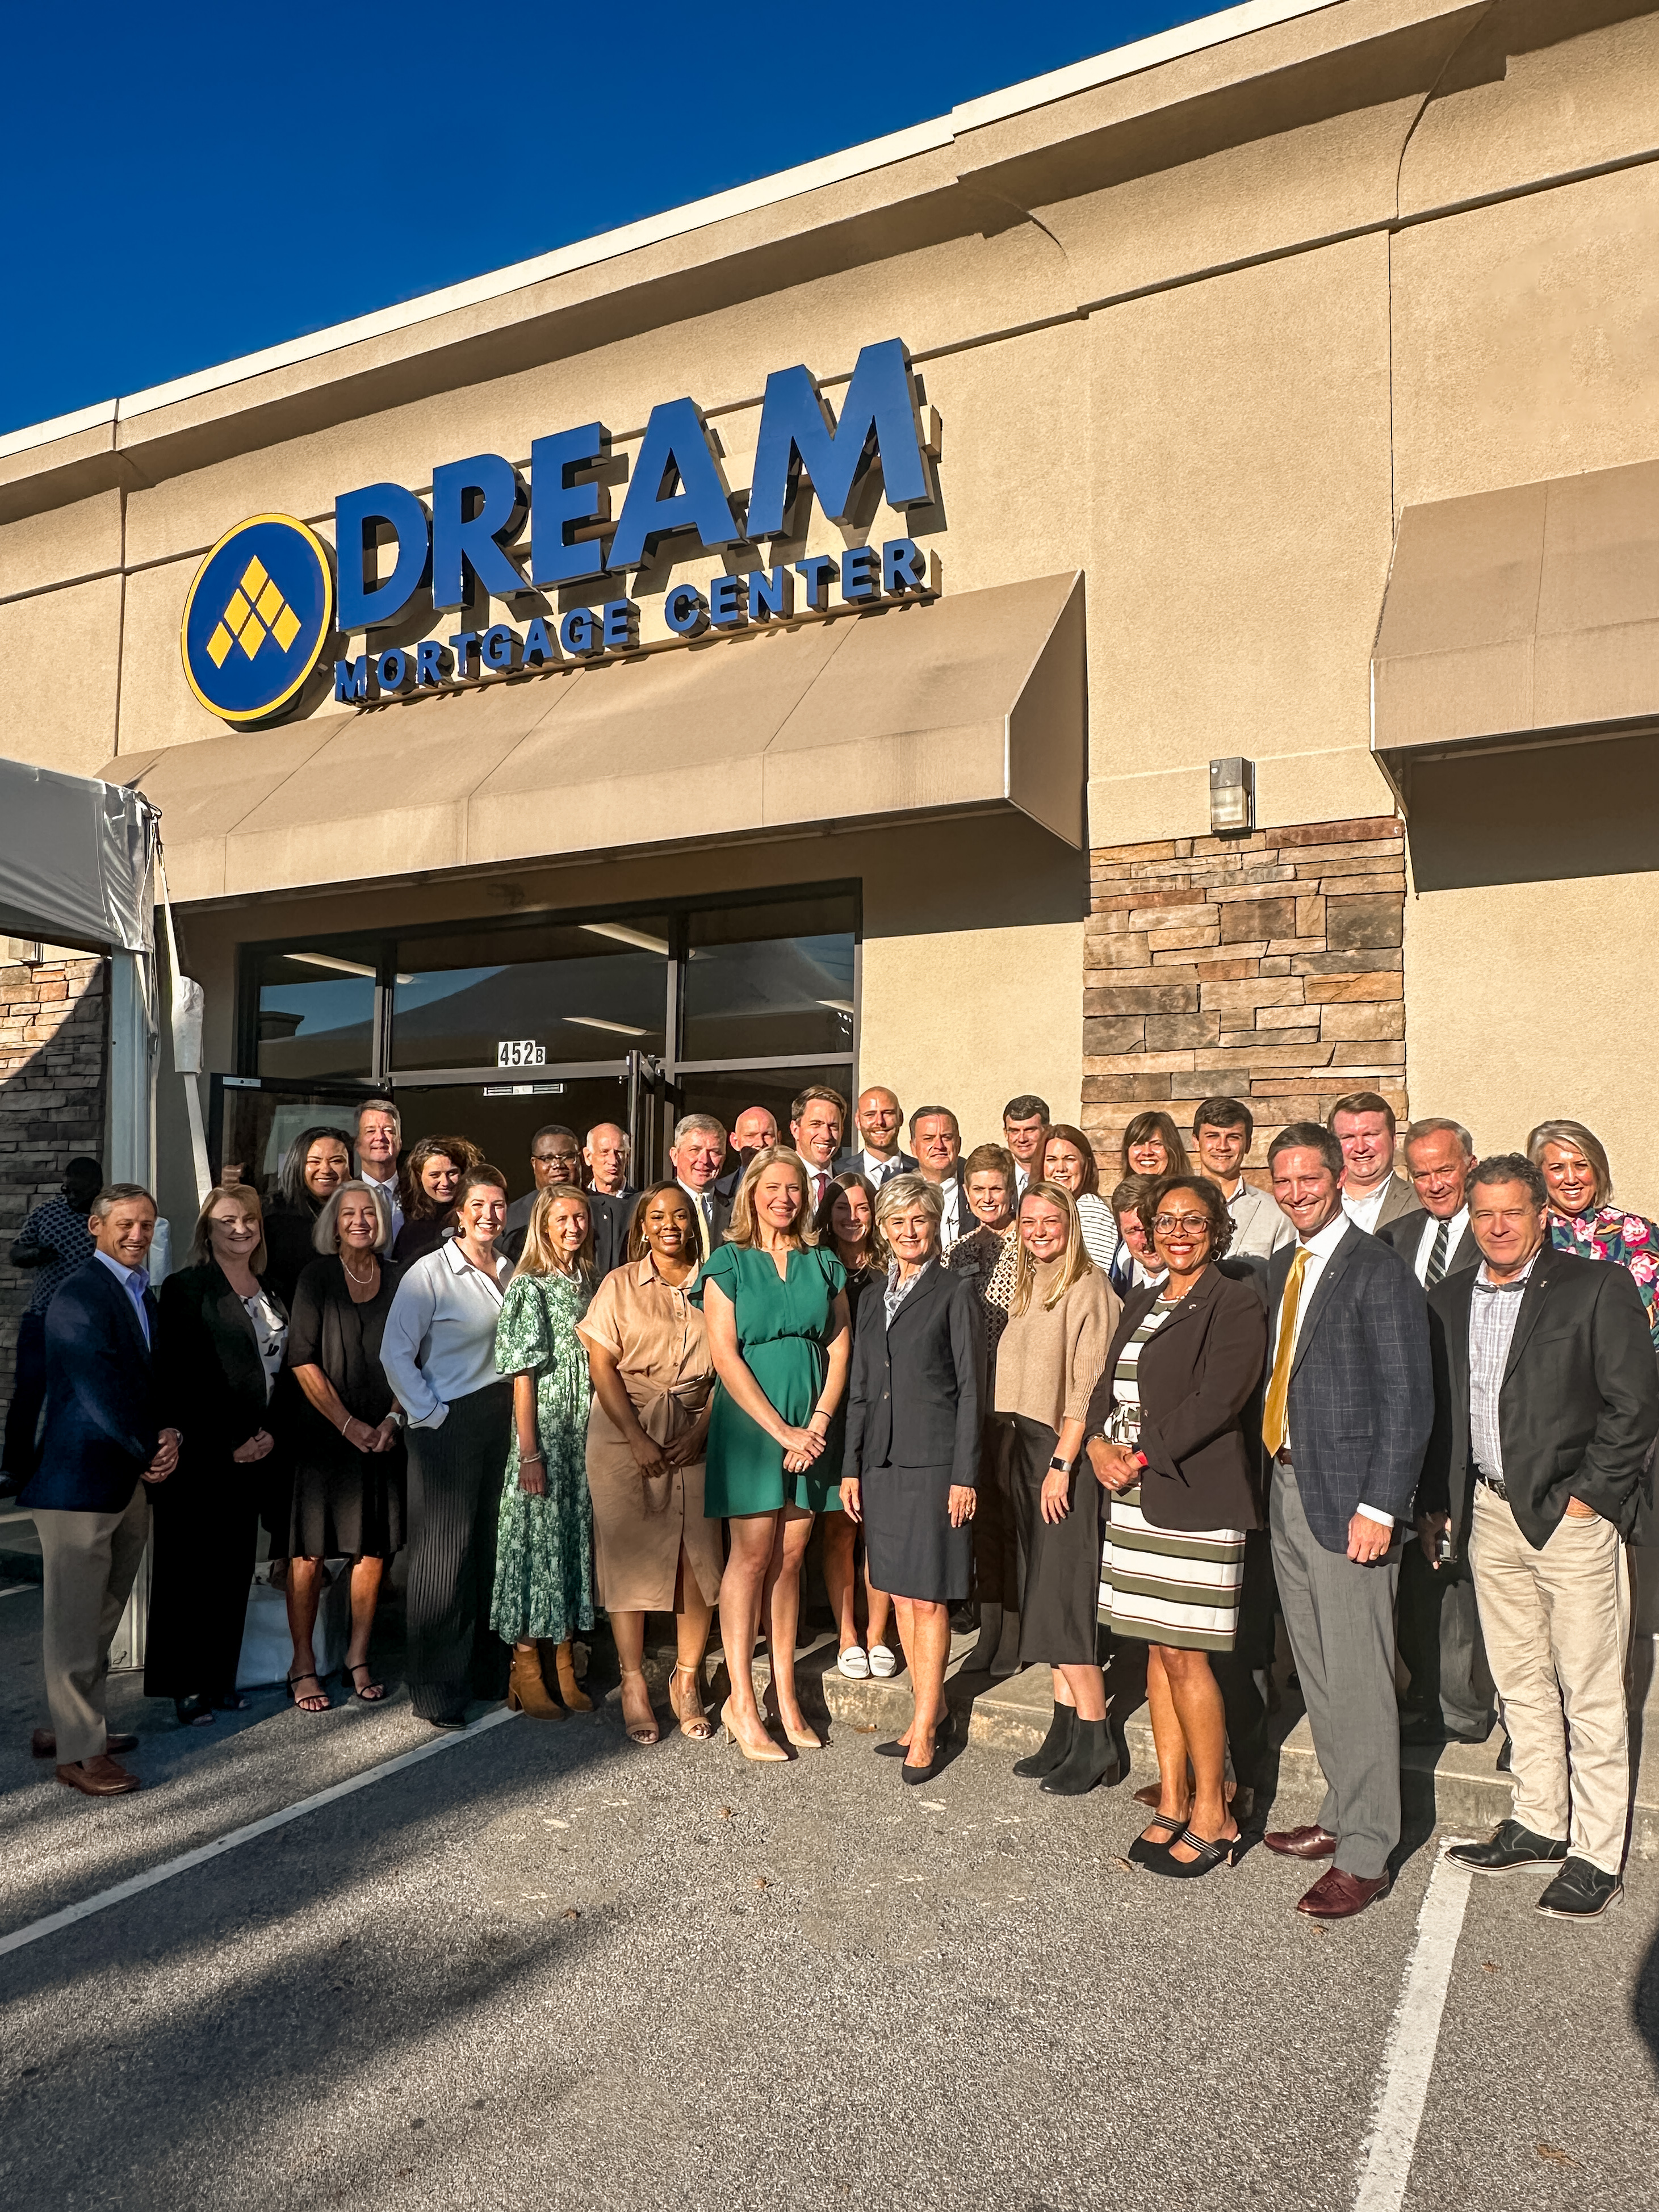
pixel 1052 1749
pixel 1092 1758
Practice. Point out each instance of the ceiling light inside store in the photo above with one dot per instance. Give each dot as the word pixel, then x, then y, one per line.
pixel 624 935
pixel 837 1005
pixel 594 1022
pixel 340 967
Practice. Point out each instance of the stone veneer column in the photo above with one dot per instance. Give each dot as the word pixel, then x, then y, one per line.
pixel 53 1036
pixel 1267 966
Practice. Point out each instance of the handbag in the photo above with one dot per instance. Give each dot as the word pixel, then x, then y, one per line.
pixel 267 1650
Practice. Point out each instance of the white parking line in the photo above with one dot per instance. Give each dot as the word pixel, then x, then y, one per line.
pixel 137 1883
pixel 1408 2056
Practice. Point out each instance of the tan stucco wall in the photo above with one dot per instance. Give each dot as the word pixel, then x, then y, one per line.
pixel 1528 1000
pixel 972 1019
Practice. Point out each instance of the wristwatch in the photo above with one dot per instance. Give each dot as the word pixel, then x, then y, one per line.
pixel 1062 1466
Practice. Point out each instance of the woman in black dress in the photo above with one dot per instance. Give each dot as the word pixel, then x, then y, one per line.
pixel 912 1456
pixel 313 1167
pixel 435 1168
pixel 348 1465
pixel 222 1340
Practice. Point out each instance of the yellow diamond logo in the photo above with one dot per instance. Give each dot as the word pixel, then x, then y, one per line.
pixel 270 604
pixel 286 627
pixel 237 612
pixel 252 637
pixel 219 645
pixel 254 576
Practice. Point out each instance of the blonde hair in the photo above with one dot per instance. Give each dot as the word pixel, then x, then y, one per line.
pixel 1074 1265
pixel 741 1230
pixel 1582 1140
pixel 242 1195
pixel 904 1190
pixel 538 1256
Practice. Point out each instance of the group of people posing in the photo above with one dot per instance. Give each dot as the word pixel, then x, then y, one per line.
pixel 1131 1426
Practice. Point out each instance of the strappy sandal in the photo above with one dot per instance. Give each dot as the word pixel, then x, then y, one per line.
pixel 694 1722
pixel 375 1693
pixel 314 1701
pixel 645 1731
pixel 1210 1856
pixel 1147 1851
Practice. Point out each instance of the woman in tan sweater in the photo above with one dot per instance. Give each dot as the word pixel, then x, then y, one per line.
pixel 1060 1321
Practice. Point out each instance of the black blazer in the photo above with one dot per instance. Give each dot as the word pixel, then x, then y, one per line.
pixel 1198 1376
pixel 917 1388
pixel 103 1409
pixel 1405 1234
pixel 213 1382
pixel 1578 1408
pixel 613 1213
pixel 1362 1389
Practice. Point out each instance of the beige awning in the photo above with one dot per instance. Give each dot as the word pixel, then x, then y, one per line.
pixel 912 709
pixel 1522 612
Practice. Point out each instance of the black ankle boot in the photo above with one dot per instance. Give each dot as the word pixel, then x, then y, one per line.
pixel 1052 1749
pixel 1092 1758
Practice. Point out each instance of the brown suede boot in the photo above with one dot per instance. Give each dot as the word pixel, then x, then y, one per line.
pixel 527 1693
pixel 576 1698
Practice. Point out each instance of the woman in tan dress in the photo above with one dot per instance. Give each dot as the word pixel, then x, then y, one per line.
pixel 654 1551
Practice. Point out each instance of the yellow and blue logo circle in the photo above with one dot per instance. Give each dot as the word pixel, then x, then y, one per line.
pixel 257 618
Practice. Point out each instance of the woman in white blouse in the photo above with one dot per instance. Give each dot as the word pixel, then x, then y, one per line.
pixel 439 1353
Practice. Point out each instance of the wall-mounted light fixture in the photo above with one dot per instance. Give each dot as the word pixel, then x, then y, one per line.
pixel 1232 796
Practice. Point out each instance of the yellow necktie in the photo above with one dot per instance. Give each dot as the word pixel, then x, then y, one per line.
pixel 1279 1382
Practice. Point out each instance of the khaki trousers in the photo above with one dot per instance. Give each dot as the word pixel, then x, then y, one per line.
pixel 91 1561
pixel 1557 1625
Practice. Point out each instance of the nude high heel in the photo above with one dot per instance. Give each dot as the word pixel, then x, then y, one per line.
pixel 527 1693
pixel 768 1751
pixel 576 1698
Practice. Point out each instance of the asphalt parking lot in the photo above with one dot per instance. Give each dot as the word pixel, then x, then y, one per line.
pixel 544 1967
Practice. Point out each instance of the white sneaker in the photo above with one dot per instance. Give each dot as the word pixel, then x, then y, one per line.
pixel 852 1663
pixel 882 1660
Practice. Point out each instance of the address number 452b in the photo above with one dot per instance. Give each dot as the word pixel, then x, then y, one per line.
pixel 520 1052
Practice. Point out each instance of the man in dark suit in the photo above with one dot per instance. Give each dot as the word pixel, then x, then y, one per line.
pixel 555 1157
pixel 694 1161
pixel 817 1121
pixel 1546 1406
pixel 610 1195
pixel 937 1136
pixel 1362 1123
pixel 103 1445
pixel 755 1130
pixel 1349 1403
pixel 1438 1622
pixel 878 1156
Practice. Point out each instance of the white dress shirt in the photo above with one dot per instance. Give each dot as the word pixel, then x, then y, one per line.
pixel 1363 1211
pixel 704 1202
pixel 1319 1247
pixel 956 1217
pixel 388 1191
pixel 877 1172
pixel 439 1343
pixel 818 1180
pixel 1455 1228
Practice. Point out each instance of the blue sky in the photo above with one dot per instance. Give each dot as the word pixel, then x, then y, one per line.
pixel 186 184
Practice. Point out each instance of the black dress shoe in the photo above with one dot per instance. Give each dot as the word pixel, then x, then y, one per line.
pixel 1510 1849
pixel 1054 1747
pixel 230 1701
pixel 193 1712
pixel 1428 1730
pixel 1580 1892
pixel 1091 1759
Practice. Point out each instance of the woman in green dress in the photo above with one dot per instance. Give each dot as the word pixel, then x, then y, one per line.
pixel 545 1547
pixel 775 1306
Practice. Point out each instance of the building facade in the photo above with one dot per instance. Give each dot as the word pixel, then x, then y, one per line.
pixel 1284 389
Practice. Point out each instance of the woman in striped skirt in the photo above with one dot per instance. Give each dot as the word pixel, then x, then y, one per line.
pixel 1169 1437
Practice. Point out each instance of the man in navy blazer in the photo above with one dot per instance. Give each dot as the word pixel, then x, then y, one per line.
pixel 1346 1421
pixel 104 1444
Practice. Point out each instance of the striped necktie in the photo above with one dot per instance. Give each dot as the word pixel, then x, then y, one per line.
pixel 1437 1256
pixel 1274 1426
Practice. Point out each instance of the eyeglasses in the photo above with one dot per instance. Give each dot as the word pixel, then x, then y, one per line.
pixel 1165 1225
pixel 555 1159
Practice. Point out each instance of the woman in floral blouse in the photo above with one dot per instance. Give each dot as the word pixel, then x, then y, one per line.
pixel 1582 1217
pixel 544 1548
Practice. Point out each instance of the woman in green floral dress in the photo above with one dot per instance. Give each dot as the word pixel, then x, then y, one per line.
pixel 544 1549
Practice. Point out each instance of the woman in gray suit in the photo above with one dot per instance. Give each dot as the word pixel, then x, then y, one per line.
pixel 912 1455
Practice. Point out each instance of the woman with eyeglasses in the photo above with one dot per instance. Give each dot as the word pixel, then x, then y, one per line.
pixel 1173 1444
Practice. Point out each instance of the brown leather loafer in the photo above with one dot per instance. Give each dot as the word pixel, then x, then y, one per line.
pixel 103 1776
pixel 1314 1843
pixel 1339 1896
pixel 44 1744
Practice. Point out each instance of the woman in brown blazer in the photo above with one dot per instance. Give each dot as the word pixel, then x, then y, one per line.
pixel 1168 1439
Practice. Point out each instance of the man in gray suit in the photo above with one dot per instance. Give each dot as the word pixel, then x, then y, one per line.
pixel 693 1159
pixel 1362 1123
pixel 1438 1624
pixel 1349 1405
pixel 1224 1129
